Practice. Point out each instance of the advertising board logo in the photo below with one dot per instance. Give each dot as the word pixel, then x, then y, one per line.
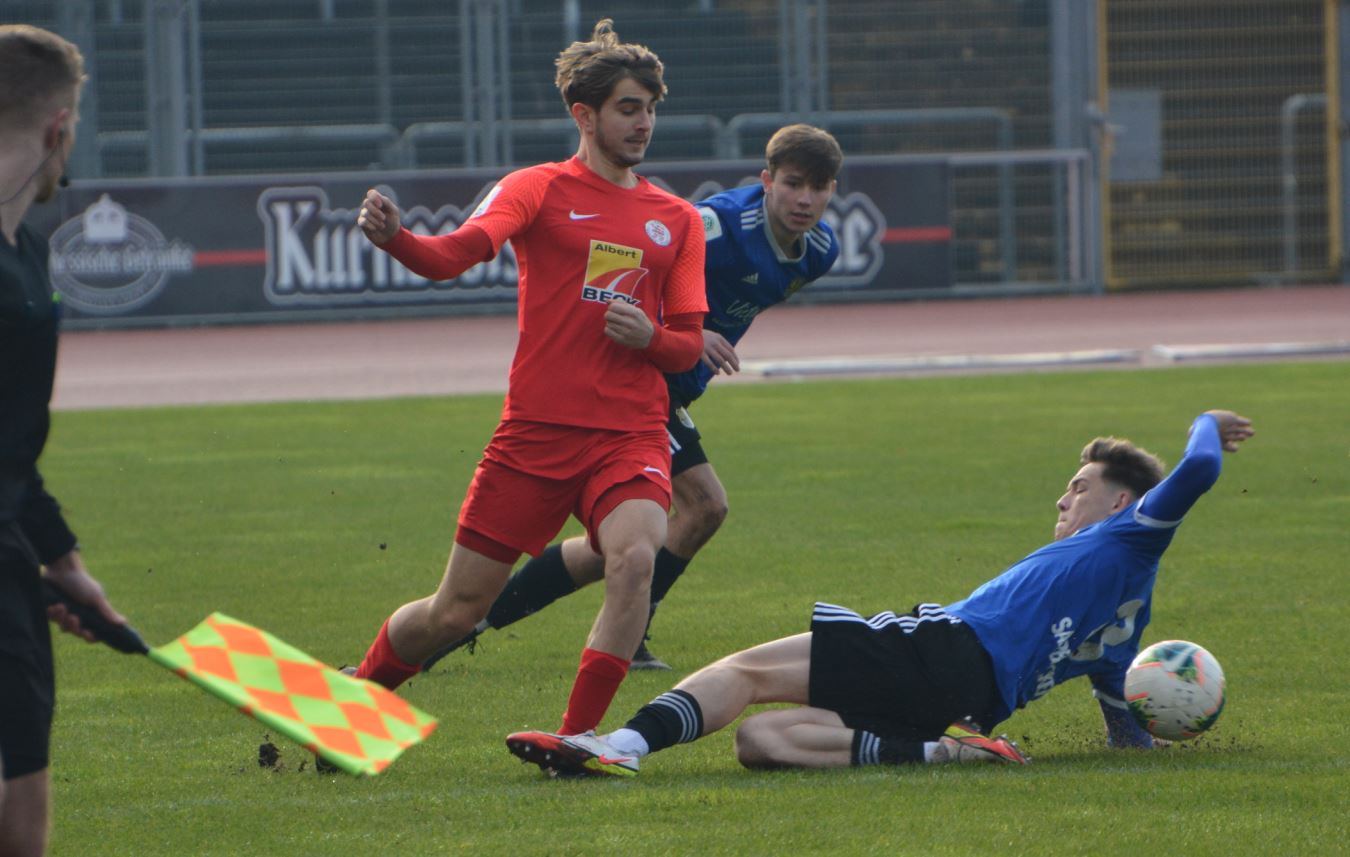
pixel 109 261
pixel 317 255
pixel 859 225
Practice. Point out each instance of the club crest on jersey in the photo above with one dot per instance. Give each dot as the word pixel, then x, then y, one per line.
pixel 657 231
pixel 613 271
pixel 487 202
pixel 712 224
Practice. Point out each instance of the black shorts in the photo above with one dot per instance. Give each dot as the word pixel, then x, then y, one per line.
pixel 685 449
pixel 906 677
pixel 27 682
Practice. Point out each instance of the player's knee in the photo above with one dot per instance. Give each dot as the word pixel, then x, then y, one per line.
pixel 708 515
pixel 457 615
pixel 700 502
pixel 630 565
pixel 756 742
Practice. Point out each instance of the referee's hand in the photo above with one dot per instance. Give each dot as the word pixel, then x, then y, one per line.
pixel 69 574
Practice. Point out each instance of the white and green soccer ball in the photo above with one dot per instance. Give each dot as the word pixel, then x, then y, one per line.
pixel 1175 689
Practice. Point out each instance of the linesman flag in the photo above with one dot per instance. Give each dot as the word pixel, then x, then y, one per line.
pixel 357 725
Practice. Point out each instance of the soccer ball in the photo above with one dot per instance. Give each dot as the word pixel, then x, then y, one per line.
pixel 1175 689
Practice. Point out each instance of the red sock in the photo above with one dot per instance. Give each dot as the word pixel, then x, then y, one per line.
pixel 382 666
pixel 598 679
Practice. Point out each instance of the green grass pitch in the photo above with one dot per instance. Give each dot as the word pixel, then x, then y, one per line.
pixel 315 520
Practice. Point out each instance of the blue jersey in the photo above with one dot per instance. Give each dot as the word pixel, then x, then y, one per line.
pixel 1078 606
pixel 746 272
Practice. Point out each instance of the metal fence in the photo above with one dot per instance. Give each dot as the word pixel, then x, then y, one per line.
pixel 1220 117
pixel 1235 142
pixel 171 67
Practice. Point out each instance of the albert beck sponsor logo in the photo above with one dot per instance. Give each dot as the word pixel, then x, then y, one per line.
pixel 613 272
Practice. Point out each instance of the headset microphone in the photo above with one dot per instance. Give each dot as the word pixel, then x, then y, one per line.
pixel 60 138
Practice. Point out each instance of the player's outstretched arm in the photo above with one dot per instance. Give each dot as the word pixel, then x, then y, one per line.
pixel 436 257
pixel 1122 730
pixel 379 218
pixel 1233 429
pixel 1210 435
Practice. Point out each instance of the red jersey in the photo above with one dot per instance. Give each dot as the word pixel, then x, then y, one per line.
pixel 581 241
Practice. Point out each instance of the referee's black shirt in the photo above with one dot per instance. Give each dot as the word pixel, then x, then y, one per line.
pixel 29 318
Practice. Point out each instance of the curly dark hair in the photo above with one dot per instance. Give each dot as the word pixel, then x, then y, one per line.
pixel 588 71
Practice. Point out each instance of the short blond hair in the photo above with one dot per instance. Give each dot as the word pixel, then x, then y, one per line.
pixel 38 71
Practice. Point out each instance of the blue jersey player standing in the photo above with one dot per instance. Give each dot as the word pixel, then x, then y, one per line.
pixel 918 687
pixel 764 242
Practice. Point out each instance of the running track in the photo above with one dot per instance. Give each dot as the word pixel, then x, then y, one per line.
pixel 446 355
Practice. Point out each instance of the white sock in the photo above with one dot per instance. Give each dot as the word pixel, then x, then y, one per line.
pixel 628 741
pixel 930 748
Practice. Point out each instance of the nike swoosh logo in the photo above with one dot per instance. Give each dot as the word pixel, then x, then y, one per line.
pixel 614 760
pixel 657 471
pixel 574 216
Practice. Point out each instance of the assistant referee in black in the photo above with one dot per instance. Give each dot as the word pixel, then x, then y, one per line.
pixel 40 79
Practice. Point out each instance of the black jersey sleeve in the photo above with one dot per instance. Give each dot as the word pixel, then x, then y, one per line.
pixel 42 522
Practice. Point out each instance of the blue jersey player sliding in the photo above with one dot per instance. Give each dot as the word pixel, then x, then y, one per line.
pixel 918 687
pixel 764 242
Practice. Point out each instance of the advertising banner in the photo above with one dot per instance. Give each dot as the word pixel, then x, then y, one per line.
pixel 281 247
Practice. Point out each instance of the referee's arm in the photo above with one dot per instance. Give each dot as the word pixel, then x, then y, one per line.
pixel 42 522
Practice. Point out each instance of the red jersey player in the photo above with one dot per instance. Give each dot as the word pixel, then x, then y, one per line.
pixel 611 297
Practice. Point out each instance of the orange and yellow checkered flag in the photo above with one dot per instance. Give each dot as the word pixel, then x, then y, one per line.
pixel 355 724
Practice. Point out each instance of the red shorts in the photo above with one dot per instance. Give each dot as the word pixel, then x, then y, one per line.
pixel 533 475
